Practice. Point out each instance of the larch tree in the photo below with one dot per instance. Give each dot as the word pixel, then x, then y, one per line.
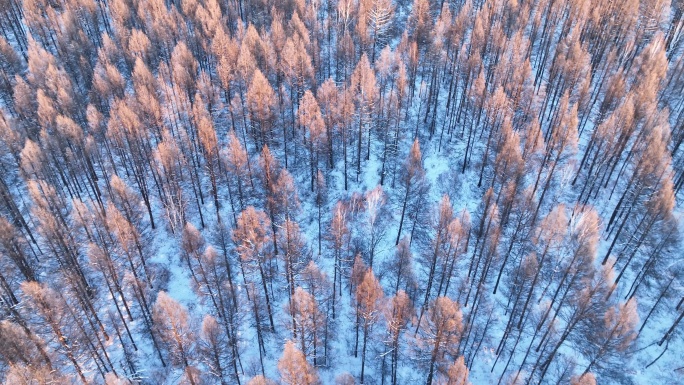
pixel 21 346
pixel 52 212
pixel 294 369
pixel 441 332
pixel 375 215
pixel 252 241
pixel 14 249
pixel 380 18
pixel 296 63
pixel 211 287
pixel 139 47
pixel 347 111
pixel 48 305
pixel 400 267
pixel 561 144
pixel 238 171
pixel 321 199
pixel 458 373
pixel 296 68
pixel 413 186
pixel 147 94
pixel 369 297
pixel 214 348
pixel 548 237
pixel 310 118
pixel 261 106
pixel 269 174
pixel 316 283
pixel 420 21
pixel 184 68
pixel 345 378
pixel 261 380
pixel 584 379
pixel 168 164
pixel 587 303
pixel 398 312
pixel 29 375
pixel 136 277
pixel 438 247
pixel 308 323
pixel 560 123
pixel 326 96
pixel 286 196
pixel 101 259
pixel 12 140
pixel 614 337
pixel 209 142
pixel 192 244
pixel 575 261
pixel 127 202
pixel 176 332
pixel 225 51
pixel 108 82
pixel 339 235
pixel 365 89
pixel 508 167
pixel 655 214
pixel 293 254
pixel 358 271
pixel 11 67
pixel 487 235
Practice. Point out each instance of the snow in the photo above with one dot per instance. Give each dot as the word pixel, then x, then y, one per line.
pixel 443 171
pixel 442 163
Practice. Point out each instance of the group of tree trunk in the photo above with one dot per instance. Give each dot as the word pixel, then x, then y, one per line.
pixel 400 190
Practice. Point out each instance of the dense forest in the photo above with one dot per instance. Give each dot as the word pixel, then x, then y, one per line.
pixel 341 192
